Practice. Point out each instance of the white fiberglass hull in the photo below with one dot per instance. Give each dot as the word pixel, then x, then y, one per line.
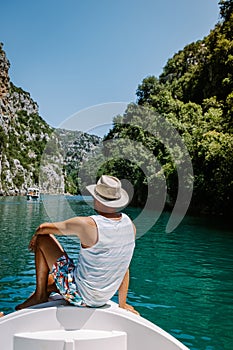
pixel 60 327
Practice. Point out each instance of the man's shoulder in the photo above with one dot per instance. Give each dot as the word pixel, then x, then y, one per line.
pixel 86 220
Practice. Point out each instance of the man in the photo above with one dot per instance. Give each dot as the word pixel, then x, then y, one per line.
pixel 107 242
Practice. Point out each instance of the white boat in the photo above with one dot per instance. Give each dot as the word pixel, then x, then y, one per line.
pixel 33 193
pixel 57 326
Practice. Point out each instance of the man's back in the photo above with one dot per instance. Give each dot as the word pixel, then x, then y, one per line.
pixel 101 268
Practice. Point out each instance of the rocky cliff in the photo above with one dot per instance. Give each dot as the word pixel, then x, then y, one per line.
pixel 32 152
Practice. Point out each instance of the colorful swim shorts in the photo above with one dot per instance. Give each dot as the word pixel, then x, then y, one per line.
pixel 63 274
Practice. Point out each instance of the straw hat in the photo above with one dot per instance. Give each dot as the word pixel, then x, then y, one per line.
pixel 109 192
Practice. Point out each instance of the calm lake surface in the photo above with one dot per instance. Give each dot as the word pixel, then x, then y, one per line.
pixel 182 281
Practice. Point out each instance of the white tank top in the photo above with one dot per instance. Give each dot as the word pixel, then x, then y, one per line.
pixel 101 268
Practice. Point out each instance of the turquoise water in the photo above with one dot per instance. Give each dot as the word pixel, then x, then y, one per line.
pixel 182 281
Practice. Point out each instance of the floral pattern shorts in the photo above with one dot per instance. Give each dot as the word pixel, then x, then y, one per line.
pixel 63 274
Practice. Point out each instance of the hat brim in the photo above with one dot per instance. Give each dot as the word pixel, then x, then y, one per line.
pixel 111 203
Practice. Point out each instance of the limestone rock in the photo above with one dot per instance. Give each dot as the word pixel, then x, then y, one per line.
pixel 31 152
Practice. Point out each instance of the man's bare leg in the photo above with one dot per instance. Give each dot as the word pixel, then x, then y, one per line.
pixel 51 286
pixel 47 251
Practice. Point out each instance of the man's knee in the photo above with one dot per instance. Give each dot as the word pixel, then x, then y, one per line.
pixel 48 241
pixel 41 239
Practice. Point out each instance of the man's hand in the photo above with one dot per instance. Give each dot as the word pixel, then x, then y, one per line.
pixel 122 294
pixel 40 230
pixel 129 308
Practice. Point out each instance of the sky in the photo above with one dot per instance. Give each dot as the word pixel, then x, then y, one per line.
pixel 75 55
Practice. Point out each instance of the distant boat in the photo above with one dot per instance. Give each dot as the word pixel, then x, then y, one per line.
pixel 33 193
pixel 54 325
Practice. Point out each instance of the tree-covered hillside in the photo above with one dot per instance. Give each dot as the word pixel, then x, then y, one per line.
pixel 195 95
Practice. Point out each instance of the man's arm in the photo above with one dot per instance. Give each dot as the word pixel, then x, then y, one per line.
pixel 122 294
pixel 123 290
pixel 83 227
pixel 67 227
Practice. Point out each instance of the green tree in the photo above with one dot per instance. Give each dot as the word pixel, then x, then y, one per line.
pixel 226 8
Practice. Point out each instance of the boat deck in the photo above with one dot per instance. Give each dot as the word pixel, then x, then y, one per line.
pixel 55 325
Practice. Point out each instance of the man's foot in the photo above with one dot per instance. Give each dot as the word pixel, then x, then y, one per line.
pixel 1 314
pixel 32 300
